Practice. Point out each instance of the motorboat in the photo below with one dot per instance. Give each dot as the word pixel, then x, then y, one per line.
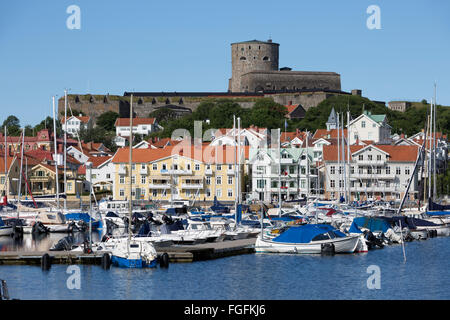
pixel 54 221
pixel 308 239
pixel 132 253
pixel 5 230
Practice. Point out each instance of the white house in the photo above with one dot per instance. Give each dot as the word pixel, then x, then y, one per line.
pixel 369 127
pixel 141 126
pixel 375 171
pixel 102 173
pixel 74 124
pixel 253 136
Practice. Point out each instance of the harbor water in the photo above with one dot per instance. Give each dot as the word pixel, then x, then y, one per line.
pixel 377 274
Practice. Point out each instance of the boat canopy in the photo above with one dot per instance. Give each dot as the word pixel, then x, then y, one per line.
pixel 354 228
pixel 79 216
pixel 2 224
pixel 373 224
pixel 306 233
pixel 111 215
pixel 437 207
pixel 219 207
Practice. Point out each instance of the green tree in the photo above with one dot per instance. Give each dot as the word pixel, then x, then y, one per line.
pixel 162 115
pixel 12 124
pixel 107 120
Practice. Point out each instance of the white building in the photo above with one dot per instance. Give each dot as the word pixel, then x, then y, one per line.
pixel 292 181
pixel 375 172
pixel 74 124
pixel 102 173
pixel 141 126
pixel 369 127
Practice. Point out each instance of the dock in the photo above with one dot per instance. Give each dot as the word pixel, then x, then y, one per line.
pixel 176 253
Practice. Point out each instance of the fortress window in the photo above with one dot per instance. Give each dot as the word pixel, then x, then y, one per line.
pixel 105 100
pixel 266 59
pixel 243 58
pixel 140 101
pixel 180 101
pixel 153 101
pixel 91 99
pixel 167 101
pixel 77 99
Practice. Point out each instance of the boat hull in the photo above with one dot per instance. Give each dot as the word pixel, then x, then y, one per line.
pixel 6 231
pixel 132 263
pixel 344 245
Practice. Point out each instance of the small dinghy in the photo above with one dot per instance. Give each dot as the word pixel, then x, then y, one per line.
pixel 5 230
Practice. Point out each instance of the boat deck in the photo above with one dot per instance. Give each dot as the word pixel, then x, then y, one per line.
pixel 177 253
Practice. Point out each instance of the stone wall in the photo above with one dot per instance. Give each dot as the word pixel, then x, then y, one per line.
pixel 290 80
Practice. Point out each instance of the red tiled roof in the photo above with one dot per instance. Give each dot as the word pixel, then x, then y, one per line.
pixel 396 153
pixel 328 134
pixel 125 122
pixel 84 119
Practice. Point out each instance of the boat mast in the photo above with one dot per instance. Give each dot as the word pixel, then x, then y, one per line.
pixel 19 194
pixel 6 153
pixel 307 167
pixel 339 159
pixel 348 157
pixel 430 149
pixel 344 172
pixel 434 146
pixel 56 153
pixel 279 172
pixel 65 150
pixel 131 171
pixel 239 161
pixel 235 171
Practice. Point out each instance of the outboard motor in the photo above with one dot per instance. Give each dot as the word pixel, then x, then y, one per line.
pixel 65 244
pixel 39 227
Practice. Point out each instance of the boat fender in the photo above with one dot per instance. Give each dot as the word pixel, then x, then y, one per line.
pixel 46 262
pixel 327 249
pixel 106 261
pixel 164 260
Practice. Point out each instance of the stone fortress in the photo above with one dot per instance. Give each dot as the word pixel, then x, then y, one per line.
pixel 255 74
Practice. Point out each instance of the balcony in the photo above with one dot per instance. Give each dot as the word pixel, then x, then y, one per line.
pixel 143 171
pixel 158 186
pixel 230 172
pixel 371 162
pixel 208 172
pixel 192 186
pixel 286 161
pixel 372 176
pixel 122 170
pixel 177 172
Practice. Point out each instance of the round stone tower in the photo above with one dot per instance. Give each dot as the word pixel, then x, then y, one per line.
pixel 250 56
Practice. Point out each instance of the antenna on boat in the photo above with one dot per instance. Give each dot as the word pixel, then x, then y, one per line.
pixel 403 242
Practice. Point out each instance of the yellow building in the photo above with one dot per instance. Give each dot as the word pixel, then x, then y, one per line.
pixel 10 184
pixel 180 172
pixel 42 180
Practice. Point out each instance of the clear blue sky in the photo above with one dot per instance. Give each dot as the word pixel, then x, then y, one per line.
pixel 185 46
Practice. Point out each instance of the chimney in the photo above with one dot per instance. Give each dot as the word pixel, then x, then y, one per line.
pixel 402 135
pixel 290 102
pixel 297 131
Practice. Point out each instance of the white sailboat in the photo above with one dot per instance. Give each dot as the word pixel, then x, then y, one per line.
pixel 129 252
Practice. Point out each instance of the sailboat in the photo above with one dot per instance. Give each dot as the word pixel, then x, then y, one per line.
pixel 128 252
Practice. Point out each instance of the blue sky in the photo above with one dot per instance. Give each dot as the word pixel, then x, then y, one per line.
pixel 185 46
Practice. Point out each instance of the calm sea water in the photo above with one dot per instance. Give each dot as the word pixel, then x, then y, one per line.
pixel 253 276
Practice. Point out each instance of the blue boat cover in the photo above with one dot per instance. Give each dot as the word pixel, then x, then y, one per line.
pixel 1 222
pixel 78 216
pixel 218 207
pixel 373 224
pixel 354 228
pixel 437 207
pixel 305 233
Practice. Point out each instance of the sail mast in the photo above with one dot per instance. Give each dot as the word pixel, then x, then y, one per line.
pixel 131 169
pixel 434 146
pixel 65 150
pixel 56 153
pixel 19 194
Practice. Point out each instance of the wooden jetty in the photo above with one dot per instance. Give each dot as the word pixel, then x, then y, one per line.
pixel 177 253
